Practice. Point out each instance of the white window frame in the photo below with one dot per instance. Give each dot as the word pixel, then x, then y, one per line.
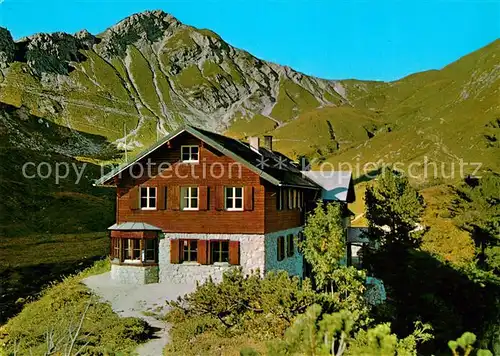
pixel 148 195
pixel 233 199
pixel 190 147
pixel 190 196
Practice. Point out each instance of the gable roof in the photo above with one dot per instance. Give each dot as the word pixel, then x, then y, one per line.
pixel 272 166
pixel 133 226
pixel 335 184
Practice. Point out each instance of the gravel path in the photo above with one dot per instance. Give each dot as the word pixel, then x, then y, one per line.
pixel 133 300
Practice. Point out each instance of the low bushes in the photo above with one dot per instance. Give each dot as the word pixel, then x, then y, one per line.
pixel 241 311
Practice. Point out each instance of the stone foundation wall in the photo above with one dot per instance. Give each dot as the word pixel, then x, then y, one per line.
pixel 257 252
pixel 128 274
pixel 294 264
pixel 252 257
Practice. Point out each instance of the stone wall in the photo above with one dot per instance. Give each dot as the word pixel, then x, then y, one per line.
pixel 294 264
pixel 252 257
pixel 128 274
pixel 257 252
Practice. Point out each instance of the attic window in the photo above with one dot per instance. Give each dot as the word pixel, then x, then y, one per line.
pixel 148 198
pixel 190 154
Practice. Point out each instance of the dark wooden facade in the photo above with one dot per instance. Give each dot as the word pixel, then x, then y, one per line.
pixel 211 174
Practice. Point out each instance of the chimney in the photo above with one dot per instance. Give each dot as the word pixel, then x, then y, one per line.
pixel 254 143
pixel 268 142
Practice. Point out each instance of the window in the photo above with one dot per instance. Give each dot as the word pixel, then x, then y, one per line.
pixel 189 198
pixel 189 250
pixel 289 245
pixel 283 198
pixel 234 198
pixel 190 154
pixel 115 248
pixel 281 248
pixel 219 251
pixel 148 198
pixel 356 254
pixel 150 250
pixel 288 198
pixel 132 249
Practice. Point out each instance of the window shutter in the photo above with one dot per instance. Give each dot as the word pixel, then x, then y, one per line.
pixel 234 252
pixel 174 251
pixel 219 197
pixel 203 252
pixel 134 198
pixel 203 192
pixel 174 198
pixel 290 246
pixel 162 201
pixel 248 198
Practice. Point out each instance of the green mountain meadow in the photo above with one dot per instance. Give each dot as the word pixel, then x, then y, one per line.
pixel 148 74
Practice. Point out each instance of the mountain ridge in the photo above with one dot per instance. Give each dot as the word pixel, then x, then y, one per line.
pixel 151 32
pixel 149 73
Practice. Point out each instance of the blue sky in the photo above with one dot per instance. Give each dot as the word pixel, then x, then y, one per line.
pixel 382 40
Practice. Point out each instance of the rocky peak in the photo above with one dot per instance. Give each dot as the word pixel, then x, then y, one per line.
pixel 148 26
pixel 51 53
pixel 86 39
pixel 7 48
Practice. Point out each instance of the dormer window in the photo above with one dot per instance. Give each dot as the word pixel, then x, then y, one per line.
pixel 190 154
pixel 148 198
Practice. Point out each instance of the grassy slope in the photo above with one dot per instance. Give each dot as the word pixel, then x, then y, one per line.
pixel 45 205
pixel 444 238
pixel 35 211
pixel 446 115
pixel 292 100
pixel 29 263
pixel 319 132
pixel 440 114
pixel 244 127
pixel 60 308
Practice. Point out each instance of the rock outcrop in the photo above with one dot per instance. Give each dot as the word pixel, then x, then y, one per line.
pixel 7 48
pixel 51 53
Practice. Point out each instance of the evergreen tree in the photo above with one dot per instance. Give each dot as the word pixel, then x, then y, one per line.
pixel 394 209
pixel 478 211
pixel 324 245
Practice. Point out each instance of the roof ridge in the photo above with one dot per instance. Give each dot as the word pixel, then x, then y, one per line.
pixel 243 155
